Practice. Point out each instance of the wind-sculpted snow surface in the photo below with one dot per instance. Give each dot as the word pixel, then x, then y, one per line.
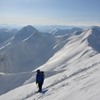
pixel 83 84
pixel 71 67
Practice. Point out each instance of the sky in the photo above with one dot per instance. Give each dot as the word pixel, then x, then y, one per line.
pixel 50 12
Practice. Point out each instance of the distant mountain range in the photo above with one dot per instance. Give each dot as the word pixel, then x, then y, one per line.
pixel 65 31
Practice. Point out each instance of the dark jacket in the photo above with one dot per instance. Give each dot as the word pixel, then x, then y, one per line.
pixel 40 77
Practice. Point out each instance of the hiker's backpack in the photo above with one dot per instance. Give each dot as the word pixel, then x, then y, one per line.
pixel 40 77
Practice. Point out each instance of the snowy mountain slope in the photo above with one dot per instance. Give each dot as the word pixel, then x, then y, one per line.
pixel 30 53
pixel 6 34
pixel 83 84
pixel 78 47
pixel 75 68
pixel 6 37
pixel 11 81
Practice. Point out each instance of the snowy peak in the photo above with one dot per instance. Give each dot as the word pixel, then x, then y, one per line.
pixel 29 28
pixel 25 32
pixel 96 31
pixel 92 32
pixel 92 36
pixel 95 28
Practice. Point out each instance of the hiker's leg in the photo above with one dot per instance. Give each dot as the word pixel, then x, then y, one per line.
pixel 40 87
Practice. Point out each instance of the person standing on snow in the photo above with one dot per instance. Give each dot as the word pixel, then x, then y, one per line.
pixel 39 79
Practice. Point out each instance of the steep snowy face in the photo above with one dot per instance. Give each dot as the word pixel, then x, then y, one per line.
pixel 25 33
pixel 94 38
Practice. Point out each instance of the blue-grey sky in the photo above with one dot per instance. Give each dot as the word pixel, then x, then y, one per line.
pixel 62 12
